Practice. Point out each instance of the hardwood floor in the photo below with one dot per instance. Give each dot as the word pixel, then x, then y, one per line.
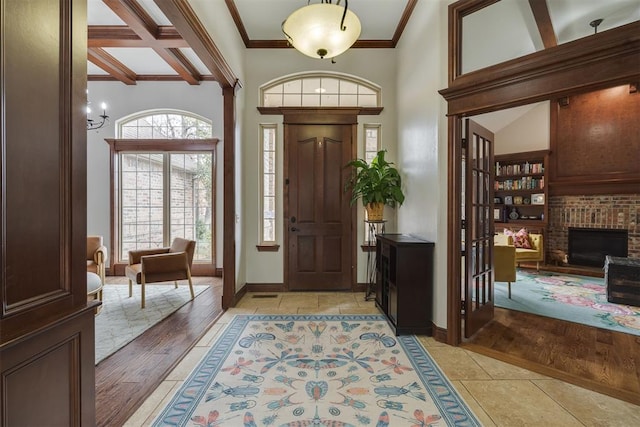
pixel 125 379
pixel 597 359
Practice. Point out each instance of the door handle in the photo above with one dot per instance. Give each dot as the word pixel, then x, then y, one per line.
pixel 293 219
pixel 295 229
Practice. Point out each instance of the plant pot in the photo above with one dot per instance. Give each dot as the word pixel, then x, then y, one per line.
pixel 375 211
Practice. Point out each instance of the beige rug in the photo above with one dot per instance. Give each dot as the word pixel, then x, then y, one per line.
pixel 121 319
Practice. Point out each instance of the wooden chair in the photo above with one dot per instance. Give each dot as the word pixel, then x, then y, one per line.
pixel 161 265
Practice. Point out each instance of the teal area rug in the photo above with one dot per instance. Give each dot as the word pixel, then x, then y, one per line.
pixel 568 297
pixel 315 370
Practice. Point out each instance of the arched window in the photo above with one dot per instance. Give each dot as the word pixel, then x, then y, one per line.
pixel 164 125
pixel 164 182
pixel 320 90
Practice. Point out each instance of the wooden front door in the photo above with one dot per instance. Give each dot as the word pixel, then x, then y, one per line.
pixel 478 210
pixel 318 216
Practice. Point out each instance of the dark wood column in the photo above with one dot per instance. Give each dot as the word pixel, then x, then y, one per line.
pixel 229 209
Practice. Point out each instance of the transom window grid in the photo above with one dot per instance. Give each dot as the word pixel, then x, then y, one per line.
pixel 268 187
pixel 318 91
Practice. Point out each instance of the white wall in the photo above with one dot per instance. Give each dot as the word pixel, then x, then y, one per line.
pixel 422 137
pixel 263 65
pixel 122 100
pixel 529 132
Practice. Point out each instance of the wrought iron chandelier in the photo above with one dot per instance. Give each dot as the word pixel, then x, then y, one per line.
pixel 97 124
pixel 322 30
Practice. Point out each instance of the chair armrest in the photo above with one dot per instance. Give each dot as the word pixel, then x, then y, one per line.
pixel 100 255
pixel 134 256
pixel 536 241
pixel 505 255
pixel 164 263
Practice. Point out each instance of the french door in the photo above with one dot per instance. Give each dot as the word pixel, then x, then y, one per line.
pixel 479 229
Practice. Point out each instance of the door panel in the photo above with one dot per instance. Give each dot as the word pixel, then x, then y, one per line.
pixel 46 326
pixel 478 228
pixel 319 215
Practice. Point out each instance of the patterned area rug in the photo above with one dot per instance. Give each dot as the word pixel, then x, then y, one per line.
pixel 568 297
pixel 312 370
pixel 121 318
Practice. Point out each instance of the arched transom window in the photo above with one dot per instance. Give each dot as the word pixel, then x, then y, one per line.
pixel 320 90
pixel 165 125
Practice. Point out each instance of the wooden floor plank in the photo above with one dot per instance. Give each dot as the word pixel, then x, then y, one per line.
pixel 598 359
pixel 126 378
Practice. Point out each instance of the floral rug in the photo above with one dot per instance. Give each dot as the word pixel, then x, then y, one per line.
pixel 313 370
pixel 568 297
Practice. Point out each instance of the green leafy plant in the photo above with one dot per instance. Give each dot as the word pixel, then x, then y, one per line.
pixel 375 182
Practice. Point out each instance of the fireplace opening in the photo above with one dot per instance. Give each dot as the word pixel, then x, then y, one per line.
pixel 590 246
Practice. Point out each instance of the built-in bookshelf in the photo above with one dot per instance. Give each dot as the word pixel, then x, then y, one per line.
pixel 520 190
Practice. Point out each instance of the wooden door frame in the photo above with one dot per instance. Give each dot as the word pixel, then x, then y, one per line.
pixel 595 62
pixel 322 116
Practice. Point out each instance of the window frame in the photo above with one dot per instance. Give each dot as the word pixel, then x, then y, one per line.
pixel 118 146
pixel 264 245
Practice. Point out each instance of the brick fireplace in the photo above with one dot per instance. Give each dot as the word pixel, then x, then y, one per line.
pixel 614 211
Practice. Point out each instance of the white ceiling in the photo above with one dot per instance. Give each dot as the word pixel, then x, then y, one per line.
pixel 262 20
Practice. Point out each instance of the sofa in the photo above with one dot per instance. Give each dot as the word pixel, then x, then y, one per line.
pixel 535 253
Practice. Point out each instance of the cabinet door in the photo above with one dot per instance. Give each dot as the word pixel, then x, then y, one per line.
pixel 392 312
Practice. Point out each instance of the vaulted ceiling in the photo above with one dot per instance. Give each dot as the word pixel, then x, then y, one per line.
pixel 136 40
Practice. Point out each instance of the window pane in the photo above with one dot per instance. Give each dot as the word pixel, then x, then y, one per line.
pixel 348 100
pixel 347 87
pixel 292 100
pixel 272 100
pixel 191 200
pixel 311 85
pixel 311 100
pixel 330 85
pixel 367 100
pixel 294 86
pixel 329 100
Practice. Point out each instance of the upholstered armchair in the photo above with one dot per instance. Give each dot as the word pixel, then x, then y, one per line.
pixel 96 256
pixel 161 265
pixel 533 254
pixel 504 264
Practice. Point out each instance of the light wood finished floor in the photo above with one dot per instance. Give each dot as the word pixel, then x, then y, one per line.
pixel 500 394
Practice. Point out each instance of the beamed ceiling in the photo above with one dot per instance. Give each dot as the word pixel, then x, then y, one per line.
pixel 165 40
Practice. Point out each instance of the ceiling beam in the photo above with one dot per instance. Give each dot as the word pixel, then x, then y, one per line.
pixel 138 20
pixel 406 14
pixel 235 14
pixel 182 16
pixel 111 65
pixel 145 78
pixel 543 21
pixel 123 36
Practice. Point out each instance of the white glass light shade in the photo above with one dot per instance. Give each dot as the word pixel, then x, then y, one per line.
pixel 315 30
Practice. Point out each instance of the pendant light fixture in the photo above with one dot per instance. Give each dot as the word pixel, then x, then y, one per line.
pixel 322 30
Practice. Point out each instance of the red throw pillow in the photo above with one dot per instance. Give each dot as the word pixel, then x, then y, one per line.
pixel 521 239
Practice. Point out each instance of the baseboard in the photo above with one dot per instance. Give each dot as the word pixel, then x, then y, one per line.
pixel 265 287
pixel 360 287
pixel 238 295
pixel 218 272
pixel 439 334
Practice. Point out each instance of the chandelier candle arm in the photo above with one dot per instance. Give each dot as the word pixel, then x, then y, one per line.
pixel 94 124
pixel 322 30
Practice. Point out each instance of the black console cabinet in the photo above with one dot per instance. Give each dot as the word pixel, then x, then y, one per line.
pixel 404 282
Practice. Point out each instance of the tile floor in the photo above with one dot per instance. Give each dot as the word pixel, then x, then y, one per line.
pixel 498 393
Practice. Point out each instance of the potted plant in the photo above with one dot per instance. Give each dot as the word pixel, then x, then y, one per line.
pixel 377 184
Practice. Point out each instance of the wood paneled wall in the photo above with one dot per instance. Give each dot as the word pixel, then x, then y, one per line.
pixel 46 325
pixel 595 142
